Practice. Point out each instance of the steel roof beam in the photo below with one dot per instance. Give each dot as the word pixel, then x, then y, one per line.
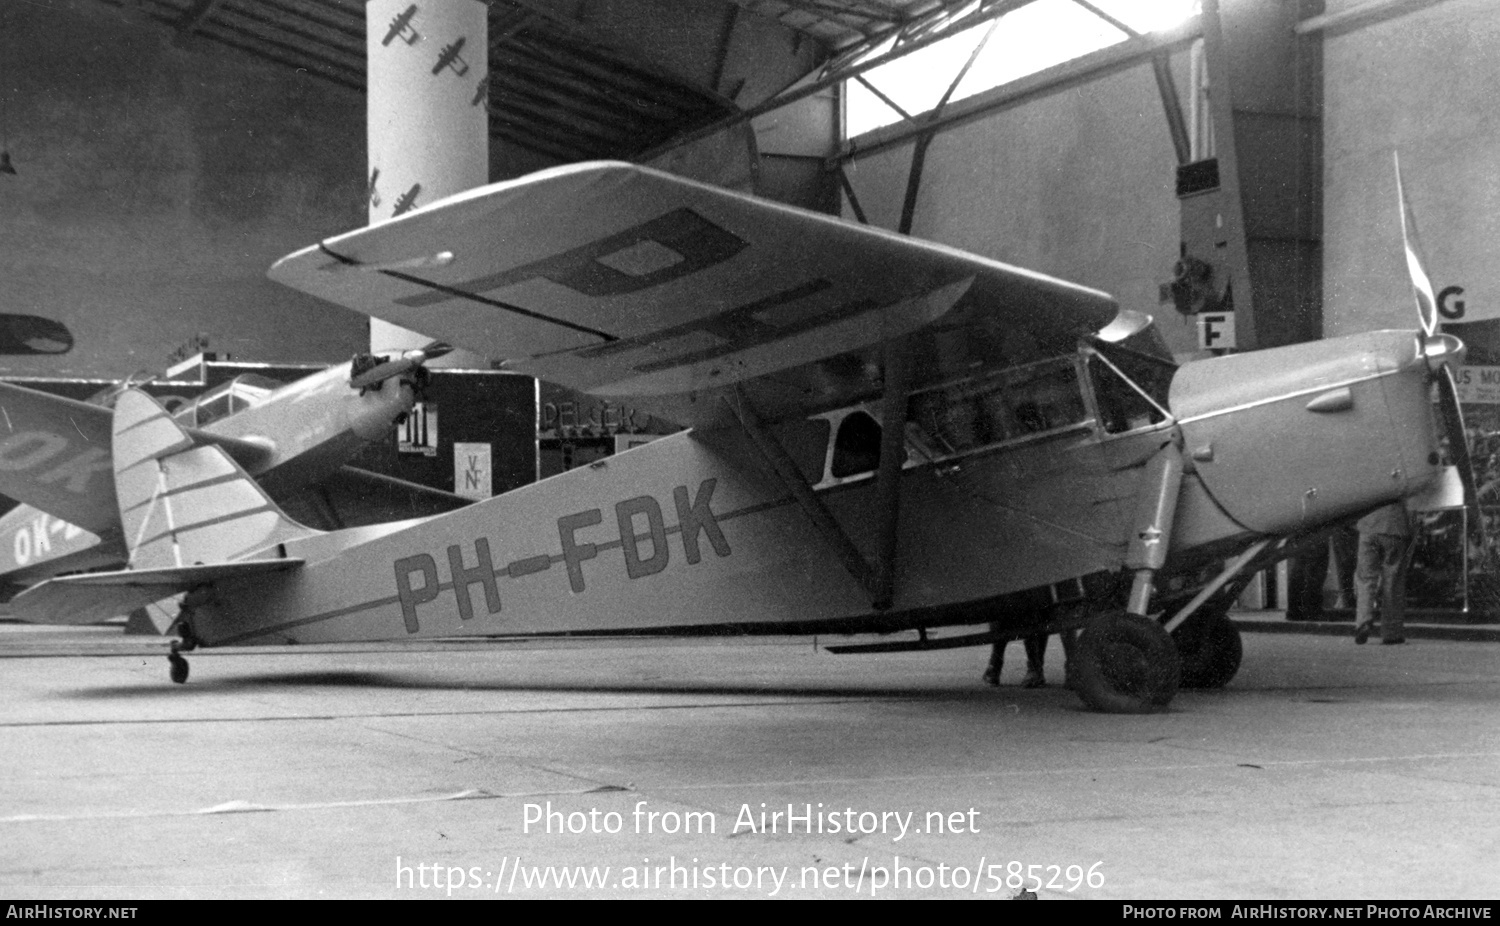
pixel 320 42
pixel 1068 74
pixel 837 74
pixel 607 68
pixel 196 15
pixel 609 132
pixel 594 108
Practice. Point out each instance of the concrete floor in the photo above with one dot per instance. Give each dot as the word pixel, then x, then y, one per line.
pixel 1325 770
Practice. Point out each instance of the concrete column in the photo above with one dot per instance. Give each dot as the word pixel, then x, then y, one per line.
pixel 428 71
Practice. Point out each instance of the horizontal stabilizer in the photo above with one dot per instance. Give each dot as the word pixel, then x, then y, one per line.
pixel 91 597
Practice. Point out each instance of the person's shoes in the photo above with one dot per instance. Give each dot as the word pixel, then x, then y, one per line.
pixel 992 676
pixel 1033 679
pixel 1361 634
pixel 1393 641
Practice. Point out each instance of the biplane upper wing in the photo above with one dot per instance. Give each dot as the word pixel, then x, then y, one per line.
pixel 626 282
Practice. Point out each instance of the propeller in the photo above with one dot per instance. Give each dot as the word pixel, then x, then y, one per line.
pixel 367 370
pixel 1441 351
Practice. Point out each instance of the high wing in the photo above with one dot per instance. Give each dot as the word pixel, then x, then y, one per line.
pixel 625 282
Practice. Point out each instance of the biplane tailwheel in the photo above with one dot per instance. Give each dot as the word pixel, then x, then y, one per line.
pixel 1125 664
pixel 1210 649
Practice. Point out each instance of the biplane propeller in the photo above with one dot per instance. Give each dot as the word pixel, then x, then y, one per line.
pixel 883 435
pixel 368 371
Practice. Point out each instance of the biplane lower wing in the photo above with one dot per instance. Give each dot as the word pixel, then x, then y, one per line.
pixel 623 281
pixel 92 597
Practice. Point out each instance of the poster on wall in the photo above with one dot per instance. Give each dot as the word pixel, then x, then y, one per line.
pixel 1478 385
pixel 419 434
pixel 472 470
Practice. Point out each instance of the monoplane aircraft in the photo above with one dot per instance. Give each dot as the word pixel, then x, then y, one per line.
pixel 55 456
pixel 884 435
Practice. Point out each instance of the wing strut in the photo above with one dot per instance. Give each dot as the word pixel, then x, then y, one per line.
pixel 791 478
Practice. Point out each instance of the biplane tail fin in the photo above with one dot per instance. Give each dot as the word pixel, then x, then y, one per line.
pixel 183 504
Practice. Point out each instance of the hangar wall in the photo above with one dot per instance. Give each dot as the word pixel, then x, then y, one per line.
pixel 1079 184
pixel 157 183
pixel 1424 82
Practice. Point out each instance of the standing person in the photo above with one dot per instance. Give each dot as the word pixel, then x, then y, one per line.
pixel 1036 656
pixel 1385 547
pixel 1307 570
pixel 1344 549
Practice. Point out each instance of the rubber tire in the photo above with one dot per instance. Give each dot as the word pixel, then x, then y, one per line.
pixel 1125 664
pixel 1210 649
pixel 178 670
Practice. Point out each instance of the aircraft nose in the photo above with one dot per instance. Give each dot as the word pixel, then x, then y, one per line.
pixel 379 409
pixel 1443 350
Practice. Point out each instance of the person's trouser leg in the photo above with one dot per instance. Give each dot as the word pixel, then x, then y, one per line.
pixel 1343 554
pixel 1036 659
pixel 1367 580
pixel 1393 605
pixel 997 659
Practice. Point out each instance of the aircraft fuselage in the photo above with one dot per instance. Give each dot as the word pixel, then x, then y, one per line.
pixel 692 533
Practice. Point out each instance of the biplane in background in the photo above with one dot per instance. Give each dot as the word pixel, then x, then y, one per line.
pixel 885 435
pixel 293 438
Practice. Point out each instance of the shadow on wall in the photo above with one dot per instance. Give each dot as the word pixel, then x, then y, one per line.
pixel 33 334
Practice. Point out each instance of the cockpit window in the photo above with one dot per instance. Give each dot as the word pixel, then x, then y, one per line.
pixel 240 393
pixel 1122 407
pixel 1008 405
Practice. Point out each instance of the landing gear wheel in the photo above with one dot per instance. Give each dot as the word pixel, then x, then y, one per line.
pixel 1125 664
pixel 179 668
pixel 1210 648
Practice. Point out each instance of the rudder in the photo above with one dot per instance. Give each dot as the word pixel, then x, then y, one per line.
pixel 181 503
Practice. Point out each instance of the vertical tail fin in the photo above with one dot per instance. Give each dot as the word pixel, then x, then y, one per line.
pixel 182 504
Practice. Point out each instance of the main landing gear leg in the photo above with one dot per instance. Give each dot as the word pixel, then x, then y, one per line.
pixel 1126 662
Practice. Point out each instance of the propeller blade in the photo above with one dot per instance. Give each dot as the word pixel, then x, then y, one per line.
pixel 403 363
pixel 1458 447
pixel 1421 283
